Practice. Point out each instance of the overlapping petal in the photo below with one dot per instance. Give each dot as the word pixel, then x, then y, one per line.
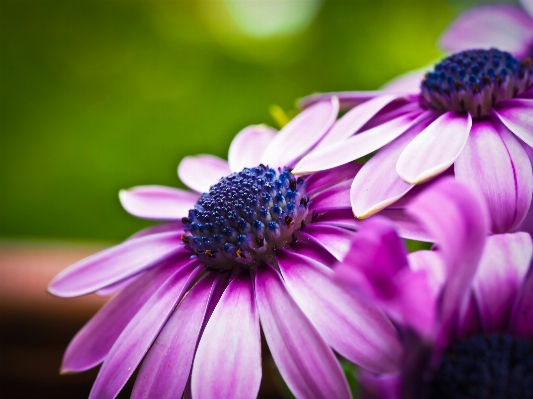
pixel 202 171
pixel 517 115
pixel 248 146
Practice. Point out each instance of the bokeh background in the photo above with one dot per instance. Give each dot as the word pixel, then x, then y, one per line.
pixel 100 95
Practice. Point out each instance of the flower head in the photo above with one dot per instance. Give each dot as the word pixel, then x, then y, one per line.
pixel 473 112
pixel 463 309
pixel 251 246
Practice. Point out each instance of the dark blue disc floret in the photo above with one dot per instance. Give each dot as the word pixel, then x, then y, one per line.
pixel 245 216
pixel 475 80
pixel 495 366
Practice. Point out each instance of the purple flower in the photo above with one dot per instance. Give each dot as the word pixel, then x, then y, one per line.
pixel 473 111
pixel 254 248
pixel 464 310
pixel 501 25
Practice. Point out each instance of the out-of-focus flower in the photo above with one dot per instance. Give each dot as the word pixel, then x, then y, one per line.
pixel 464 310
pixel 504 26
pixel 473 111
pixel 254 248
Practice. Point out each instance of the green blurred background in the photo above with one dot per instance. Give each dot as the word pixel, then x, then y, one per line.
pixel 102 95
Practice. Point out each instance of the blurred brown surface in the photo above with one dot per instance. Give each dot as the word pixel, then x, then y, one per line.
pixel 36 327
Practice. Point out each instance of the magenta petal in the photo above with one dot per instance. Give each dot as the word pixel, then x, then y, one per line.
pixel 354 119
pixel 502 26
pixel 320 181
pixel 158 228
pixel 166 368
pixel 435 149
pixel 354 147
pixel 347 99
pixel 116 263
pixel 406 225
pixel 133 343
pixel 202 171
pixel 522 314
pixel 500 275
pixel 93 342
pixel 347 323
pixel 228 360
pixel 407 83
pixel 248 146
pixel 301 134
pixel 157 202
pixel 377 185
pixel 305 361
pixel 335 197
pixel 496 164
pixel 335 239
pixel 517 115
pixel 381 386
pixel 114 288
pixel 458 220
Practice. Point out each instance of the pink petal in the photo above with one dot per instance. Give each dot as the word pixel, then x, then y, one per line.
pixel 118 286
pixel 157 202
pixel 320 181
pixel 517 115
pixel 340 218
pixel 354 147
pixel 301 134
pixel 313 251
pixel 116 263
pixel 500 275
pixel 200 172
pixel 131 346
pixel 248 146
pixel 377 185
pixel 407 83
pixel 521 322
pixel 335 197
pixel 166 368
pixel 228 360
pixel 496 164
pixel 347 99
pixel 335 239
pixel 502 26
pixel 435 149
pixel 406 225
pixel 347 323
pixel 381 386
pixel 305 361
pixel 159 228
pixel 92 343
pixel 354 119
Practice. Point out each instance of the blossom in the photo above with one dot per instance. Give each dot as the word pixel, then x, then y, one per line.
pixel 502 25
pixel 464 310
pixel 251 245
pixel 473 112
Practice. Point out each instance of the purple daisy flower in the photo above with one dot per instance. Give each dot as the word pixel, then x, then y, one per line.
pixel 473 111
pixel 252 250
pixel 464 310
pixel 504 26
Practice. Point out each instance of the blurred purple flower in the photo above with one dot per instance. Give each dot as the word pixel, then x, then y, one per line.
pixel 464 310
pixel 504 26
pixel 254 248
pixel 474 111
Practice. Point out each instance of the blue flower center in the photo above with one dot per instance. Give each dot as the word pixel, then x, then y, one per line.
pixel 474 80
pixel 495 366
pixel 245 217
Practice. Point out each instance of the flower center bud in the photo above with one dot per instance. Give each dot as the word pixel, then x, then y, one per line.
pixel 474 81
pixel 245 216
pixel 491 366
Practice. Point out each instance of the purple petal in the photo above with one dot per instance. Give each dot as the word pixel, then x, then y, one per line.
pixel 517 115
pixel 320 181
pixel 305 361
pixel 116 263
pixel 93 342
pixel 528 6
pixel 335 239
pixel 118 286
pixel 301 134
pixel 500 274
pixel 406 225
pixel 202 171
pixel 407 83
pixel 347 99
pixel 313 251
pixel 159 228
pixel 502 26
pixel 135 340
pixel 458 220
pixel 340 217
pixel 228 360
pixel 248 146
pixel 435 149
pixel 347 323
pixel 157 202
pixel 166 368
pixel 335 197
pixel 354 147
pixel 356 118
pixel 522 314
pixel 496 164
pixel 377 185
pixel 382 386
